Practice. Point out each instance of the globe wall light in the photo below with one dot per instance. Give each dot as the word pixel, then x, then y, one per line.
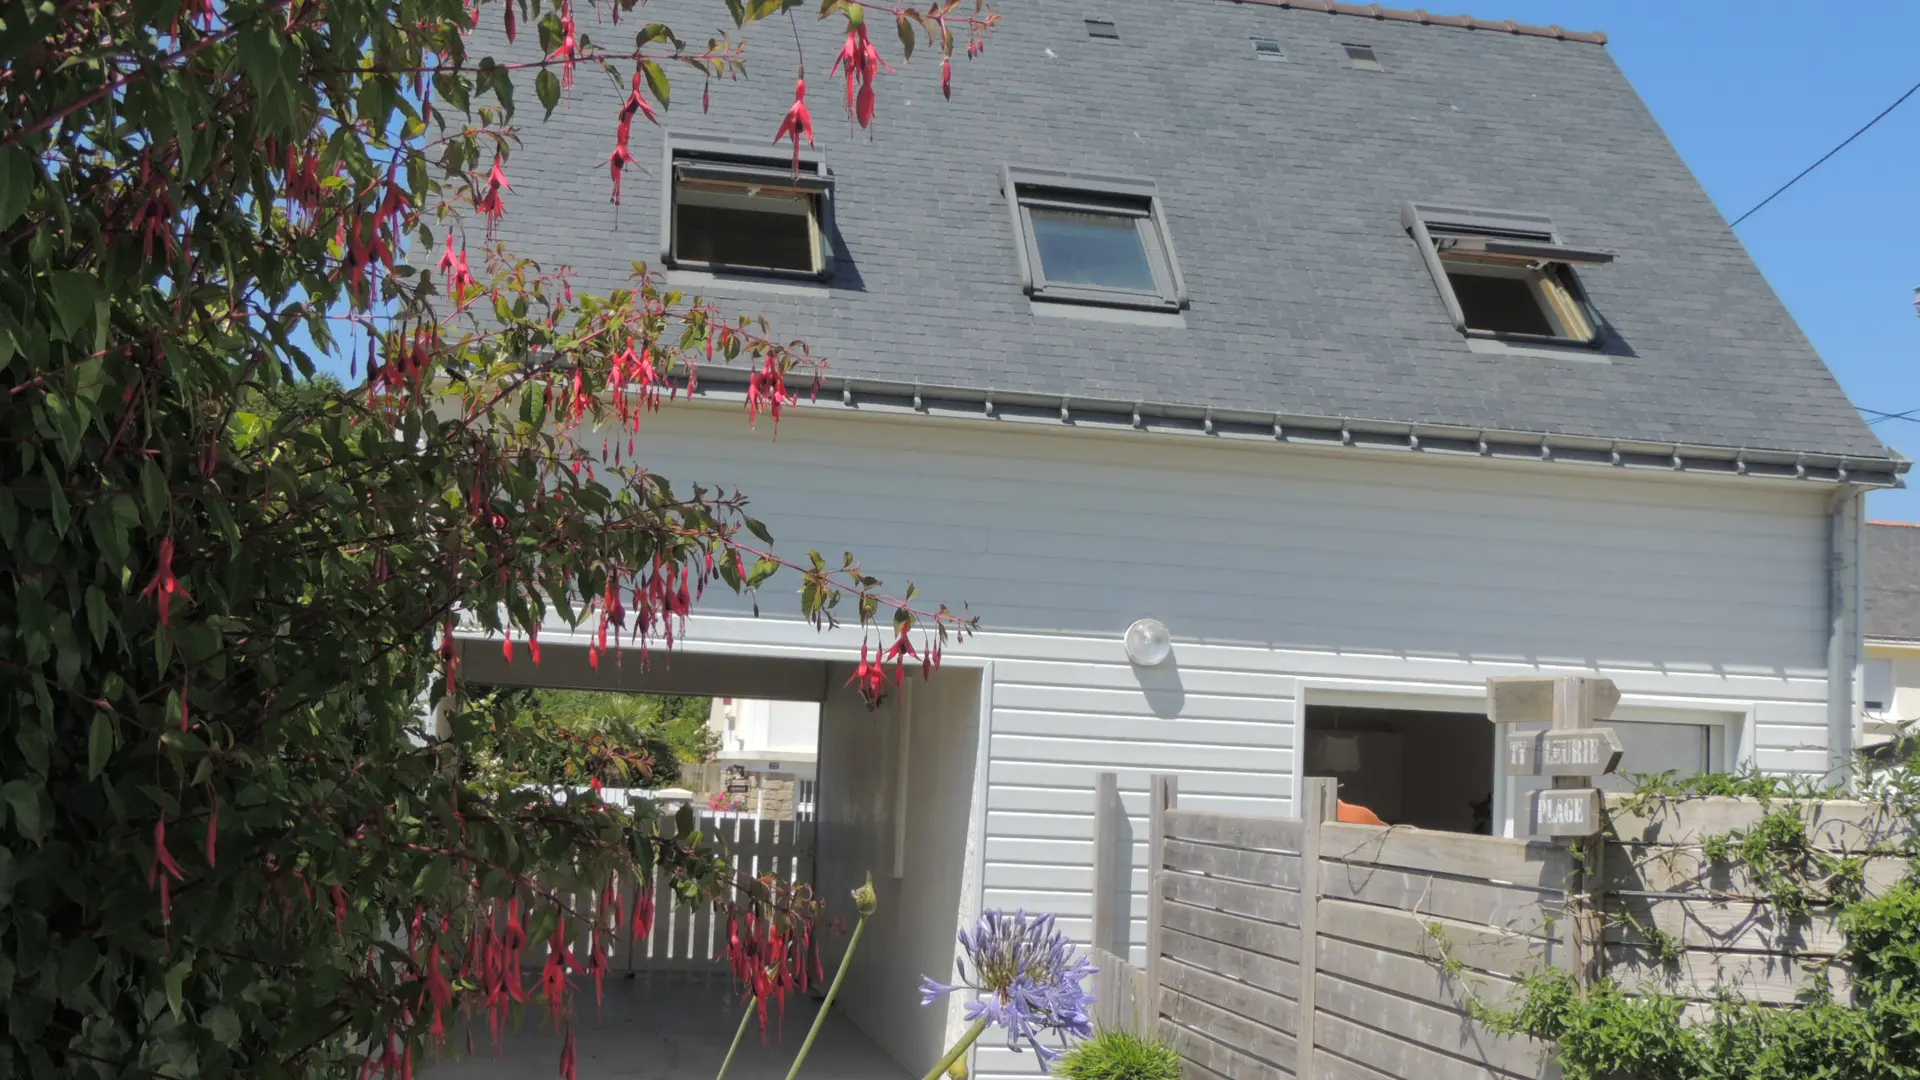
pixel 1148 642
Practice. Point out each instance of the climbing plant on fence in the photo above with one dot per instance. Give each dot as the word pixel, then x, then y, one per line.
pixel 1611 1030
pixel 230 843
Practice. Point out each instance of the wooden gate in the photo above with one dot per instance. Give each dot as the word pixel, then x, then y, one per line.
pixel 692 939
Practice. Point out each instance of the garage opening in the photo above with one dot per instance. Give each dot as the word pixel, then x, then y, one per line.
pixel 783 748
pixel 1433 770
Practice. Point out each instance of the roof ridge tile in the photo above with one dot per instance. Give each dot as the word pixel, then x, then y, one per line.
pixel 1426 18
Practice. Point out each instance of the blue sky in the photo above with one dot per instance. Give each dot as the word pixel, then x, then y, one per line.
pixel 1752 93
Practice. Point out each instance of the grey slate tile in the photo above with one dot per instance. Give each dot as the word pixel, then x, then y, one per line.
pixel 1283 183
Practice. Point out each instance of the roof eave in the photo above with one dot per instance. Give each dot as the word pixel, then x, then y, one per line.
pixel 1303 429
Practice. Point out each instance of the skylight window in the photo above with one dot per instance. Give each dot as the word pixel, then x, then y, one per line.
pixel 1102 29
pixel 1093 240
pixel 1506 275
pixel 1268 49
pixel 1362 57
pixel 736 209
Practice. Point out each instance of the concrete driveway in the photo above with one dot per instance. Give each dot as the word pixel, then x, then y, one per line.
pixel 668 1026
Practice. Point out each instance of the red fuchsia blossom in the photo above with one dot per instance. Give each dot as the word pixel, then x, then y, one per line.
pixel 798 121
pixel 163 870
pixel 621 156
pixel 870 676
pixel 569 51
pixel 488 203
pixel 863 65
pixel 164 585
pixel 459 277
pixel 946 77
pixel 767 388
pixel 213 830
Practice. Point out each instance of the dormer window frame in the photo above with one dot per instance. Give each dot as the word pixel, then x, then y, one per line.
pixel 717 165
pixel 1063 192
pixel 1500 244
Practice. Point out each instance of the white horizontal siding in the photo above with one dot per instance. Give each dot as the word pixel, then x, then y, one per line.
pixel 1281 572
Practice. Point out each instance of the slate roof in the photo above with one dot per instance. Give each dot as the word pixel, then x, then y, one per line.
pixel 1890 570
pixel 1283 183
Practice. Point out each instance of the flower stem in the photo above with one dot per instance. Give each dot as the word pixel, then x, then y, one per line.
pixel 739 1034
pixel 820 1018
pixel 953 1055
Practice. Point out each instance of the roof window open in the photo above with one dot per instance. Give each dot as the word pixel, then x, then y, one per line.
pixel 737 209
pixel 1093 240
pixel 1102 29
pixel 1268 49
pixel 1362 57
pixel 1506 275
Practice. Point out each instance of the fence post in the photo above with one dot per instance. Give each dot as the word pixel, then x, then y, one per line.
pixel 1107 887
pixel 1163 794
pixel 1317 804
pixel 1573 709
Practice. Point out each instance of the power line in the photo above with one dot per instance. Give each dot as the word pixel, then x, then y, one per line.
pixel 1912 416
pixel 1823 157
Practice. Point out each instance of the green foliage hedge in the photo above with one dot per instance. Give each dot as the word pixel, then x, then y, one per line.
pixel 1119 1055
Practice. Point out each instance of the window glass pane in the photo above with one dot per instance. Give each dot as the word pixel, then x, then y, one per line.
pixel 1504 305
pixel 1878 692
pixel 762 232
pixel 1085 248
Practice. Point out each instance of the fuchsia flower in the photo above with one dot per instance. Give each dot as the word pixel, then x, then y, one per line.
pixel 164 585
pixel 569 51
pixel 863 64
pixel 488 202
pixel 621 156
pixel 459 277
pixel 798 122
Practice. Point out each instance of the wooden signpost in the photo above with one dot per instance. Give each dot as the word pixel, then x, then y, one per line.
pixel 1571 753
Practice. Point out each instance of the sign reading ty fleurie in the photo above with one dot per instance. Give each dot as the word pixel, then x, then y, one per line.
pixel 1572 812
pixel 1576 752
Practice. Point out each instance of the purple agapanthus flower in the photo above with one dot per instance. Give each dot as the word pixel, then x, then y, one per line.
pixel 1028 979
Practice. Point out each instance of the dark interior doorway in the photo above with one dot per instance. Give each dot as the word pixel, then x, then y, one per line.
pixel 1433 770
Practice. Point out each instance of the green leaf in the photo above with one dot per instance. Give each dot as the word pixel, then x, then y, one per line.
pixel 223 1024
pixel 153 488
pixel 176 983
pixel 547 86
pixel 24 797
pixel 16 183
pixel 759 531
pixel 76 294
pixel 762 570
pixel 905 30
pixel 99 744
pixel 657 81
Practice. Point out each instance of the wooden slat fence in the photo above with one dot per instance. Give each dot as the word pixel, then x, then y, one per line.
pixel 1678 922
pixel 1310 948
pixel 693 939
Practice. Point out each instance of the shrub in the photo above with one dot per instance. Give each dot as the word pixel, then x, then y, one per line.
pixel 1119 1055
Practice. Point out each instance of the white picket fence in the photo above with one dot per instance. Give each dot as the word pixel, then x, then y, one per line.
pixel 693 939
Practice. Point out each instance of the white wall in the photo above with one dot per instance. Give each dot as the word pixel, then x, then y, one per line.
pixel 1281 572
pixel 909 828
pixel 759 729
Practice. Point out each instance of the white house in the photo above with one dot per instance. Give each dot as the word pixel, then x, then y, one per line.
pixel 1890 680
pixel 767 736
pixel 1370 356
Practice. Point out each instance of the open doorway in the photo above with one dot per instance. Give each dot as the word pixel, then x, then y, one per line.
pixel 887 792
pixel 1429 769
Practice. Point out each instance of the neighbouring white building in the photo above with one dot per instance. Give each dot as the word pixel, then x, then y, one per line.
pixel 1890 679
pixel 767 736
pixel 1368 357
